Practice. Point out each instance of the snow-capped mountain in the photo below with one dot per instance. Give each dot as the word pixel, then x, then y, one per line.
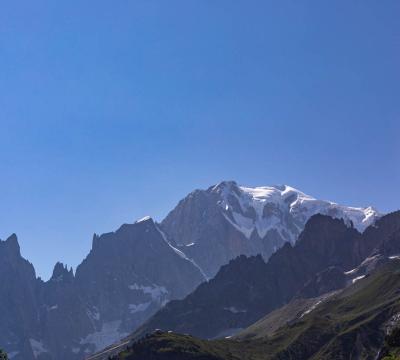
pixel 132 272
pixel 261 208
pixel 215 225
pixel 331 266
pixel 247 287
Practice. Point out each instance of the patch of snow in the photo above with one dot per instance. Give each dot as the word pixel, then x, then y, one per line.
pixel 394 257
pixel 368 262
pixel 228 333
pixel 108 334
pixel 244 207
pixel 240 227
pixel 37 347
pixel 54 307
pixel 311 308
pixel 156 292
pixel 182 254
pixel 370 215
pixel 234 310
pixel 146 218
pixel 318 302
pixel 134 308
pixel 369 259
pixel 357 278
pixel 351 271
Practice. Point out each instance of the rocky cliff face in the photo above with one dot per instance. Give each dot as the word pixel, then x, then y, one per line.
pixel 18 299
pixel 216 225
pixel 324 258
pixel 128 275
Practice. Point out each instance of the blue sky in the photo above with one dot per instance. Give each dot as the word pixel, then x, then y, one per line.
pixel 110 111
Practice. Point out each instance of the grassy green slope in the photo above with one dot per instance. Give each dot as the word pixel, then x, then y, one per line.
pixel 276 319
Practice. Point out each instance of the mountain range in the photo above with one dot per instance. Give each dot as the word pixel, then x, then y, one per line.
pixel 131 273
pixel 333 295
pixel 358 322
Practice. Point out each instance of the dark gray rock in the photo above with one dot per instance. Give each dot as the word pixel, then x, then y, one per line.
pixel 127 276
pixel 248 288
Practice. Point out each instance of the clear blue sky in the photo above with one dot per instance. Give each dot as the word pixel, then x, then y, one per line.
pixel 110 111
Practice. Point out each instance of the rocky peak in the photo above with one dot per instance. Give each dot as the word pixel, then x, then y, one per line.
pixel 10 246
pixel 61 273
pixel 223 186
pixel 216 225
pixel 126 232
pixel 387 228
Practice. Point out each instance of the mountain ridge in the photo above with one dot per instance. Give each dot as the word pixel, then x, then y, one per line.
pixel 361 322
pixel 167 343
pixel 117 286
pixel 324 242
pixel 112 291
pixel 215 225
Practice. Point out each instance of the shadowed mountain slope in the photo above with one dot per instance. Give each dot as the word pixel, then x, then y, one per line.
pixel 351 324
pixel 328 256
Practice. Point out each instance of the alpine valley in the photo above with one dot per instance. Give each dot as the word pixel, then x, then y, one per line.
pixel 259 269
